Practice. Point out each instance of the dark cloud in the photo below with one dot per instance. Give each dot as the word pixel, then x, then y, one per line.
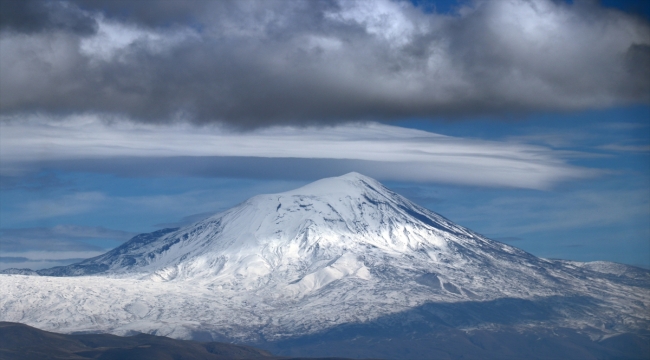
pixel 29 16
pixel 638 64
pixel 163 13
pixel 258 63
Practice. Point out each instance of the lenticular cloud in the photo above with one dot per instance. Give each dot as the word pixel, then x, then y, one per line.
pixel 385 151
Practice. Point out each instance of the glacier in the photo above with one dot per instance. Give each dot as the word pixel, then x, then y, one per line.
pixel 342 250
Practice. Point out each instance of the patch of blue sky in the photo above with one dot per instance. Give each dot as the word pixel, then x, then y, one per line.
pixel 598 219
pixel 606 217
pixel 135 204
pixel 639 7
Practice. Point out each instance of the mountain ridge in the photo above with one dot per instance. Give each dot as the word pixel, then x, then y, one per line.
pixel 338 251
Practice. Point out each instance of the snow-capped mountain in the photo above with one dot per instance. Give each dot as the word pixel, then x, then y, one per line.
pixel 337 251
pixel 333 229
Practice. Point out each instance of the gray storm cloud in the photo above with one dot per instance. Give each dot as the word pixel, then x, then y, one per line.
pixel 258 63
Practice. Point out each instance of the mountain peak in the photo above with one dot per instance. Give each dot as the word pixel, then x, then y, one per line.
pixel 354 176
pixel 350 184
pixel 333 220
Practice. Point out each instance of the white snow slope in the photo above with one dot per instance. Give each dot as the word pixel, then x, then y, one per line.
pixel 339 250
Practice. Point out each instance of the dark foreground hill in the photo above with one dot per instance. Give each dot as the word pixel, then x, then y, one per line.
pixel 22 342
pixel 19 341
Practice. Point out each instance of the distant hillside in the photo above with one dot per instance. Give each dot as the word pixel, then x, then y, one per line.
pixel 22 342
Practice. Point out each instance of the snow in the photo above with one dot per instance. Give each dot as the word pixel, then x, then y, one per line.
pixel 338 250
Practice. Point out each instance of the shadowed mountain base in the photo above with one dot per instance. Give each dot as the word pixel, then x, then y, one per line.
pixel 432 331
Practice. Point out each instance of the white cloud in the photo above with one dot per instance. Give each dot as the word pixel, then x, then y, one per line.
pixel 113 37
pixel 385 19
pixel 388 152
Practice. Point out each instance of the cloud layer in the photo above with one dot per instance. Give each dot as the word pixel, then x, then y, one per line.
pixel 382 151
pixel 259 63
pixel 43 247
pixel 59 238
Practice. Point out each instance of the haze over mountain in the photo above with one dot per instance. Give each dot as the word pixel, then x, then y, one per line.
pixel 339 252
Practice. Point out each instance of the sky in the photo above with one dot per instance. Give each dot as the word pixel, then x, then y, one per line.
pixel 527 121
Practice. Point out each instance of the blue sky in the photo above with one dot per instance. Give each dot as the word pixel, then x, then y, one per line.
pixel 109 128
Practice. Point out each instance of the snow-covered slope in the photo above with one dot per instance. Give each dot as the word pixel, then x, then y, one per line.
pixel 339 250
